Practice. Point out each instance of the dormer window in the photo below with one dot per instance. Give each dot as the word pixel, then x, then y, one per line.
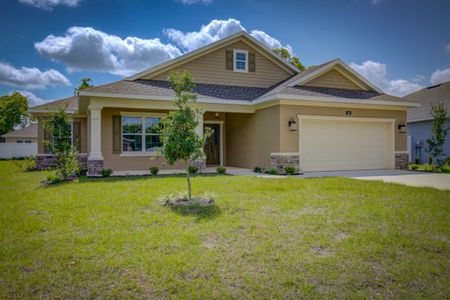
pixel 240 61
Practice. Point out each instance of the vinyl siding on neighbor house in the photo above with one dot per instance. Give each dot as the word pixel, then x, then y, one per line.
pixel 421 131
pixel 211 69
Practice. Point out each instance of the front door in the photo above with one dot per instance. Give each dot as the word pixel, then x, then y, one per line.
pixel 212 145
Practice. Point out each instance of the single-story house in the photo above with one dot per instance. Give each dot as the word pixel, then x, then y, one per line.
pixel 419 119
pixel 26 135
pixel 263 110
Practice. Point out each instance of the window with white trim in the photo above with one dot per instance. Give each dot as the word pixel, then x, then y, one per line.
pixel 240 60
pixel 140 134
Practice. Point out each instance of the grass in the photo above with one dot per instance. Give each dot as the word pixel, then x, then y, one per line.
pixel 265 238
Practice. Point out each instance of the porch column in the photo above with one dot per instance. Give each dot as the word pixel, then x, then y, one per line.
pixel 200 162
pixel 95 159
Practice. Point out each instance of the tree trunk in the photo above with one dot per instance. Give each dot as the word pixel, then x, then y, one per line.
pixel 188 180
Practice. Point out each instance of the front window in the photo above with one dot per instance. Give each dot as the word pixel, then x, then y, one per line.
pixel 140 134
pixel 240 61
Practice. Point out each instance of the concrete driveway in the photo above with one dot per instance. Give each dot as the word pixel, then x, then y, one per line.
pixel 418 179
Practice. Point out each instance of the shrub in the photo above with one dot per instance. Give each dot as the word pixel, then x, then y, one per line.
pixel 221 170
pixel 53 179
pixel 106 172
pixel 154 171
pixel 192 169
pixel 258 169
pixel 430 160
pixel 27 164
pixel 289 170
pixel 417 160
pixel 445 169
pixel 447 161
pixel 413 167
pixel 271 171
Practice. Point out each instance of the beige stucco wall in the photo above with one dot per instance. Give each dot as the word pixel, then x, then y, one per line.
pixel 23 139
pixel 252 137
pixel 211 69
pixel 289 139
pixel 83 140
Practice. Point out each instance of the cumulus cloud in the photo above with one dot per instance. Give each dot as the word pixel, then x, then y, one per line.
pixel 33 100
pixel 50 4
pixel 30 78
pixel 440 76
pixel 190 2
pixel 376 73
pixel 85 48
pixel 216 30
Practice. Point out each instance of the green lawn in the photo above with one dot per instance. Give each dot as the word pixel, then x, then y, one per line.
pixel 267 238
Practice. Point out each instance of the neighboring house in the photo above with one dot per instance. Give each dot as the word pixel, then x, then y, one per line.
pixel 20 143
pixel 263 110
pixel 420 118
pixel 26 135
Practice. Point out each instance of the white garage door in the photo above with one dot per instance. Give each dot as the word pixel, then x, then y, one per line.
pixel 328 144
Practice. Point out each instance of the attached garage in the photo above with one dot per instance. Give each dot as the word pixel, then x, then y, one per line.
pixel 345 143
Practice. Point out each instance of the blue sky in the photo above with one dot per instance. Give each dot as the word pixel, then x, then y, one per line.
pixel 48 45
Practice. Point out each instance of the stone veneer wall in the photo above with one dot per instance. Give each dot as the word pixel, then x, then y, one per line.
pixel 94 167
pixel 47 161
pixel 281 160
pixel 401 161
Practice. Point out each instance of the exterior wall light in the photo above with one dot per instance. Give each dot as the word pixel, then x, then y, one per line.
pixel 292 124
pixel 402 127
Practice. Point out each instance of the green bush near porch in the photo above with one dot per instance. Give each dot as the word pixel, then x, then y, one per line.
pixel 265 238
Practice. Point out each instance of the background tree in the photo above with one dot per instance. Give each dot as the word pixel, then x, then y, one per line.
pixel 180 140
pixel 85 83
pixel 13 111
pixel 439 130
pixel 284 53
pixel 58 130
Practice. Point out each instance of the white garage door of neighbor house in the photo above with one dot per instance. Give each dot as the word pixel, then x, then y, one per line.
pixel 340 143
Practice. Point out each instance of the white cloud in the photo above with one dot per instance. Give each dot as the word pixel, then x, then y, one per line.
pixel 50 4
pixel 216 30
pixel 376 73
pixel 447 48
pixel 85 48
pixel 33 100
pixel 440 76
pixel 30 78
pixel 190 2
pixel 376 2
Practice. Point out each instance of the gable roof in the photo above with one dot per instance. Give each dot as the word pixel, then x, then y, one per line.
pixel 329 66
pixel 70 104
pixel 29 131
pixel 428 96
pixel 243 35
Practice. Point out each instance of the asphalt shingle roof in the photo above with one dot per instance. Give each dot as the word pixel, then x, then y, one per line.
pixel 336 93
pixel 70 103
pixel 163 88
pixel 427 97
pixel 30 131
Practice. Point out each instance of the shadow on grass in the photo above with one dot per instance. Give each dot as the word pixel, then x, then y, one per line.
pixel 201 212
pixel 87 179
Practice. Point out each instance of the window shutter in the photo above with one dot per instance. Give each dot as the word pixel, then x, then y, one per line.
pixel 117 134
pixel 251 62
pixel 229 59
pixel 76 135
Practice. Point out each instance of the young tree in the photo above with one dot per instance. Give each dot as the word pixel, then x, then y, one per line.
pixel 284 54
pixel 13 110
pixel 439 130
pixel 85 83
pixel 59 141
pixel 179 138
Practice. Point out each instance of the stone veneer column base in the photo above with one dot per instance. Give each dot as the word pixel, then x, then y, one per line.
pixel 48 161
pixel 281 160
pixel 94 167
pixel 200 163
pixel 401 161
